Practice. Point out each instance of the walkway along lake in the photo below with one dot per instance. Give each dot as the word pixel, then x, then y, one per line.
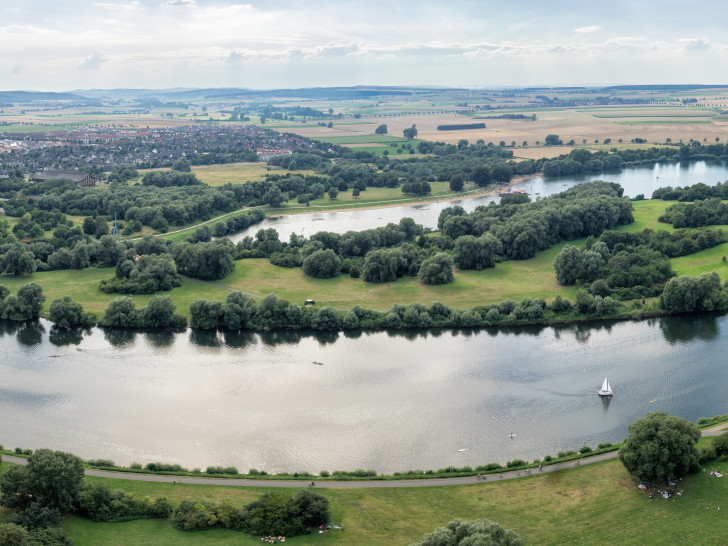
pixel 383 401
pixel 635 181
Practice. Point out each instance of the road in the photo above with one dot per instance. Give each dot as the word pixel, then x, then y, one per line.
pixel 427 482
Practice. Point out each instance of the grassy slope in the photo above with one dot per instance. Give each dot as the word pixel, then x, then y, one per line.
pixel 595 504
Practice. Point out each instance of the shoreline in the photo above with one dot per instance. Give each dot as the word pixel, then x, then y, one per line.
pixel 471 194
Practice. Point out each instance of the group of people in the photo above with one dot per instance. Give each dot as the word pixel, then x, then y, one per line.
pixel 272 539
pixel 716 473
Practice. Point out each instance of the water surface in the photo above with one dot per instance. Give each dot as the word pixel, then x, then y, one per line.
pixel 383 401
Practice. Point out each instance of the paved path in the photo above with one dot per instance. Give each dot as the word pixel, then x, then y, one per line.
pixel 427 482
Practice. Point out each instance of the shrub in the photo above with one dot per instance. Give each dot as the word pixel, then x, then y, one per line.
pixel 706 454
pixel 324 474
pixel 516 462
pixel 604 445
pixel 585 449
pixel 720 444
pixel 100 462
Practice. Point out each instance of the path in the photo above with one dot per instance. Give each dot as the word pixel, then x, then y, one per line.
pixel 427 482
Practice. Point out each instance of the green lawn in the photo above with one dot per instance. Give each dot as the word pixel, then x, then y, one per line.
pixel 594 504
pixel 514 279
pixel 82 286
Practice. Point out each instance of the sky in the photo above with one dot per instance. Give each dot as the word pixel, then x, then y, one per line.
pixel 53 45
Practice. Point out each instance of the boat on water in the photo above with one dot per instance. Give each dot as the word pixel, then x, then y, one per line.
pixel 514 192
pixel 606 389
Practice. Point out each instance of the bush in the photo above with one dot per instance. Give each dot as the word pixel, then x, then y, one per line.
pixel 707 454
pixel 515 463
pixel 585 449
pixel 720 444
pixel 437 270
pixel 481 531
pixel 322 264
pixel 324 474
pixel 604 445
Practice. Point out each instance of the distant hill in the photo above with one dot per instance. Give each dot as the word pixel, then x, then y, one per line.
pixel 27 96
pixel 179 94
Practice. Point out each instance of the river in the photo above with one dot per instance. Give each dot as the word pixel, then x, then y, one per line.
pixel 635 181
pixel 383 401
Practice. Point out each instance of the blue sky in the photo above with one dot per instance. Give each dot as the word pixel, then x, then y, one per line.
pixel 61 45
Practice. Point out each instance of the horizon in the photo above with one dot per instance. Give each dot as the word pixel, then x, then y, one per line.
pixel 279 44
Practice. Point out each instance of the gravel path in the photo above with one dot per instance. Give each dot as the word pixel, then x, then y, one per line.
pixel 427 482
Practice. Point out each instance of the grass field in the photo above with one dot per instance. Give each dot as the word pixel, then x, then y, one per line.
pixel 595 504
pixel 515 279
pixel 82 286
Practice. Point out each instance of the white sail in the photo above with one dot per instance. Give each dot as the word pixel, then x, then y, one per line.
pixel 606 389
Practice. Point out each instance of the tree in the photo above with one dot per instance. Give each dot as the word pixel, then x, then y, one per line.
pixel 66 313
pixel 382 265
pixel 333 193
pixel 471 533
pixel 553 140
pixel 322 264
pixel 102 228
pixel 18 261
pixel 51 478
pixel 476 252
pixel 89 225
pixel 25 305
pixel 481 176
pixel 182 165
pixel 410 133
pixel 159 312
pixel 567 265
pixel 457 182
pixel 437 270
pixel 121 312
pixel 206 314
pixel 660 446
pixel 274 197
pixel 240 309
pixel 381 130
pixel 685 293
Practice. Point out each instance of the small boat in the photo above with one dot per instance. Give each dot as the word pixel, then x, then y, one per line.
pixel 606 389
pixel 463 449
pixel 318 363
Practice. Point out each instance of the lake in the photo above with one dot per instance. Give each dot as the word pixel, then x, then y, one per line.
pixel 383 401
pixel 635 181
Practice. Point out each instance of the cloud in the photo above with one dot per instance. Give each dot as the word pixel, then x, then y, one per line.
pixel 591 28
pixel 696 45
pixel 180 2
pixel 94 62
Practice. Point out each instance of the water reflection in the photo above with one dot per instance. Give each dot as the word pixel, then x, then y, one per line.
pixel 687 328
pixel 160 338
pixel 205 338
pixel 67 336
pixel 118 337
pixel 30 333
pixel 239 338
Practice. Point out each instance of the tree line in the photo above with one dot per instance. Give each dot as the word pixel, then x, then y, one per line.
pixel 630 265
pixel 53 484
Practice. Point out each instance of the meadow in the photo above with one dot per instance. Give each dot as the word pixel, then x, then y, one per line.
pixel 592 504
pixel 514 279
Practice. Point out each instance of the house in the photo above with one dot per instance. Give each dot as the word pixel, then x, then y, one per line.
pixel 81 179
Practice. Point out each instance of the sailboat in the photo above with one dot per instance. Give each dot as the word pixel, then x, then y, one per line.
pixel 606 389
